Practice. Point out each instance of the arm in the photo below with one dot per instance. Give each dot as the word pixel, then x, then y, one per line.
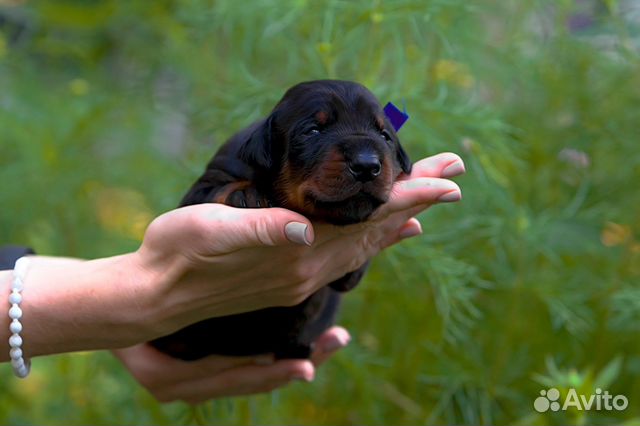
pixel 209 260
pixel 169 379
pixel 68 304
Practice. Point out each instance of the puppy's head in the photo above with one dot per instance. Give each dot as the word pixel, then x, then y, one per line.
pixel 328 151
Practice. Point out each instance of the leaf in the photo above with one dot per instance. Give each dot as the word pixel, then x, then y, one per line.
pixel 607 376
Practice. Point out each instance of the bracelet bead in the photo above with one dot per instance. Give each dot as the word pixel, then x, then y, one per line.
pixel 23 371
pixel 15 327
pixel 17 363
pixel 18 285
pixel 20 268
pixel 15 341
pixel 15 353
pixel 21 366
pixel 15 312
pixel 15 297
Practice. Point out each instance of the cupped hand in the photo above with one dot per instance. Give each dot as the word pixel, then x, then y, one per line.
pixel 211 260
pixel 169 379
pixel 217 260
pixel 427 185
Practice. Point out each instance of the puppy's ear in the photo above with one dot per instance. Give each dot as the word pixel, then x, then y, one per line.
pixel 257 150
pixel 403 158
pixel 401 155
pixel 200 192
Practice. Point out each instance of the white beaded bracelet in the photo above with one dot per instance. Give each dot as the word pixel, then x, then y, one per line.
pixel 21 366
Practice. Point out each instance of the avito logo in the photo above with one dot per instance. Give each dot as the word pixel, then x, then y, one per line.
pixel 550 400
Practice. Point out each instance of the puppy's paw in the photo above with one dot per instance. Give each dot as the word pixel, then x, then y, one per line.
pixel 248 197
pixel 241 194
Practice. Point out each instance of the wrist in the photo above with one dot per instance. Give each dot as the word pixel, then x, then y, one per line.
pixel 73 305
pixel 137 313
pixel 158 275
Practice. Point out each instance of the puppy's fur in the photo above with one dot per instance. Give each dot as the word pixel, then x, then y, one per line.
pixel 326 151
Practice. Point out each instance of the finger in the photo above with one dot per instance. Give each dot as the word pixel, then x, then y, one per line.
pixel 155 368
pixel 411 228
pixel 328 343
pixel 414 192
pixel 255 227
pixel 444 165
pixel 241 381
pixel 214 364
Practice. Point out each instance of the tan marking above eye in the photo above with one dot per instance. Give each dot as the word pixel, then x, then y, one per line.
pixel 380 122
pixel 322 117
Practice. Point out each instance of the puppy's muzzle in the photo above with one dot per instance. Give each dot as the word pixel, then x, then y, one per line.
pixel 365 166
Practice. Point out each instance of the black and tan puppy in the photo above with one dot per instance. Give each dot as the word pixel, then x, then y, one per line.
pixel 326 151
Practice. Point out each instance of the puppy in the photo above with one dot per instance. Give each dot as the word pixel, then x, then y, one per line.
pixel 326 151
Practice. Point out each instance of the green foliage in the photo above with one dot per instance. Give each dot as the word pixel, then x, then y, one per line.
pixel 108 111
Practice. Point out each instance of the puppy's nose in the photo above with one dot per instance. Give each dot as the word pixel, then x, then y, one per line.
pixel 365 167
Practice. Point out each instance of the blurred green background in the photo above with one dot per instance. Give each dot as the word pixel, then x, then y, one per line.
pixel 109 110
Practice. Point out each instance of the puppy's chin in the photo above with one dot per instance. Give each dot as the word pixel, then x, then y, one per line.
pixel 352 210
pixel 339 203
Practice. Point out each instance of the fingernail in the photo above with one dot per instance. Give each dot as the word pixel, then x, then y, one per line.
pixel 306 376
pixel 264 360
pixel 296 232
pixel 450 197
pixel 454 169
pixel 336 343
pixel 412 231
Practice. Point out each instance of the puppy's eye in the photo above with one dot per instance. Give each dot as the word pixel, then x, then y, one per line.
pixel 311 131
pixel 386 135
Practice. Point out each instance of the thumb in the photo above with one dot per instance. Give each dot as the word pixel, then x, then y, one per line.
pixel 243 228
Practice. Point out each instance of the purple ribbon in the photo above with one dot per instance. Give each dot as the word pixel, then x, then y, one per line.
pixel 395 116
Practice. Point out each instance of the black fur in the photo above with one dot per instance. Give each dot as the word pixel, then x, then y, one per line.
pixel 303 156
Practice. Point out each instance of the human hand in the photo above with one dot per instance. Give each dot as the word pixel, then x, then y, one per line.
pixel 169 379
pixel 394 221
pixel 211 260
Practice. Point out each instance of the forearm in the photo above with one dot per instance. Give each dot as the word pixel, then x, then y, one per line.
pixel 71 305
